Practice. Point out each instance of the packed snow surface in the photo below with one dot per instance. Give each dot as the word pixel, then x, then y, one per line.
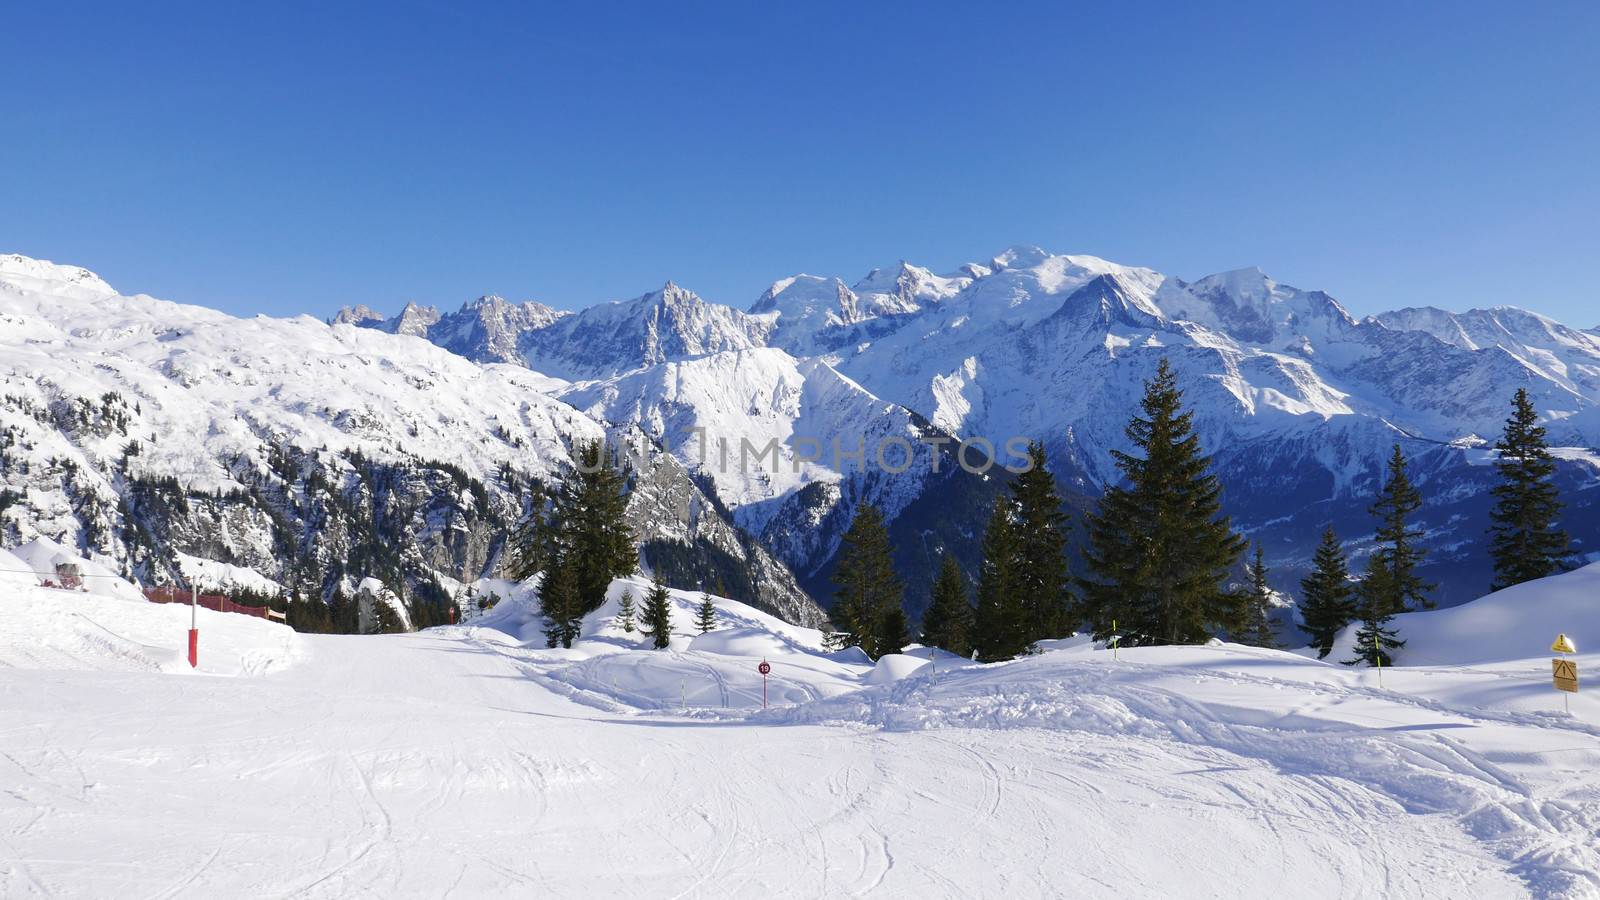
pixel 472 761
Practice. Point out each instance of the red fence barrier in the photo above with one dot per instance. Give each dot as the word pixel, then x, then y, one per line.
pixel 214 602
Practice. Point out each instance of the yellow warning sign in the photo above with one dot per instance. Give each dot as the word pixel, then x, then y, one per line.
pixel 1566 675
pixel 1563 644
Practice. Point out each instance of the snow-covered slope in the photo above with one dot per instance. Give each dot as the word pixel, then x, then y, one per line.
pixel 1515 623
pixel 138 428
pixel 428 764
pixel 1565 356
pixel 106 625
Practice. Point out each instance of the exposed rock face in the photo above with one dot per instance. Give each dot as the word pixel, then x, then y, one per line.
pixel 483 330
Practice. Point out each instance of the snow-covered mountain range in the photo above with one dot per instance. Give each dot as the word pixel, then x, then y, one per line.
pixel 1299 400
pixel 145 431
pixel 755 416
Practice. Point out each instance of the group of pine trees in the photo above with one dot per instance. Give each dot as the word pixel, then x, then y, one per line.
pixel 1330 600
pixel 1024 593
pixel 654 618
pixel 1158 555
pixel 580 540
pixel 1526 543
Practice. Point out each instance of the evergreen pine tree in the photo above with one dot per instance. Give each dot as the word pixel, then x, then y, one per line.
pixel 384 619
pixel 1375 607
pixel 868 586
pixel 1158 548
pixel 627 612
pixel 1257 631
pixel 997 626
pixel 947 623
pixel 559 602
pixel 1526 543
pixel 529 541
pixel 892 634
pixel 1399 550
pixel 1327 603
pixel 588 525
pixel 657 614
pixel 344 613
pixel 705 615
pixel 1041 569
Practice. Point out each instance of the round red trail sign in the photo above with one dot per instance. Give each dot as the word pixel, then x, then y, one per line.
pixel 764 668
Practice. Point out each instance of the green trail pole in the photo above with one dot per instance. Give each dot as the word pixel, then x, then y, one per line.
pixel 1377 657
pixel 1114 639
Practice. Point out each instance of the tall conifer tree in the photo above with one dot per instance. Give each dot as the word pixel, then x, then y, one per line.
pixel 997 632
pixel 1526 541
pixel 1327 602
pixel 656 614
pixel 627 612
pixel 892 633
pixel 1159 548
pixel 1400 550
pixel 869 589
pixel 1375 608
pixel 947 623
pixel 1041 567
pixel 1257 630
pixel 588 525
pixel 559 602
pixel 705 615
pixel 529 541
pixel 1391 584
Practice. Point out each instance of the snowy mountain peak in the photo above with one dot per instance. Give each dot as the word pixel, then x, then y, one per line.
pixel 611 338
pixel 797 292
pixel 904 288
pixel 1502 326
pixel 890 278
pixel 415 320
pixel 671 294
pixel 807 311
pixel 495 307
pixel 1248 305
pixel 1021 256
pixel 1249 282
pixel 360 314
pixel 486 329
pixel 30 272
pixel 1110 299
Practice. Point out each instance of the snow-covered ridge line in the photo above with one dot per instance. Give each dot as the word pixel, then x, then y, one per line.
pixel 1299 400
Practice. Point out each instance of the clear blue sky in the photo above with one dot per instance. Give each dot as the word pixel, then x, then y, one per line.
pixel 289 157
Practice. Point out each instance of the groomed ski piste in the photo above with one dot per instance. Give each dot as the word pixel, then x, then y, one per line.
pixel 472 761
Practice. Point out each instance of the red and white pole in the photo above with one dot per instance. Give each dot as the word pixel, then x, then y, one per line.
pixel 194 626
pixel 764 668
